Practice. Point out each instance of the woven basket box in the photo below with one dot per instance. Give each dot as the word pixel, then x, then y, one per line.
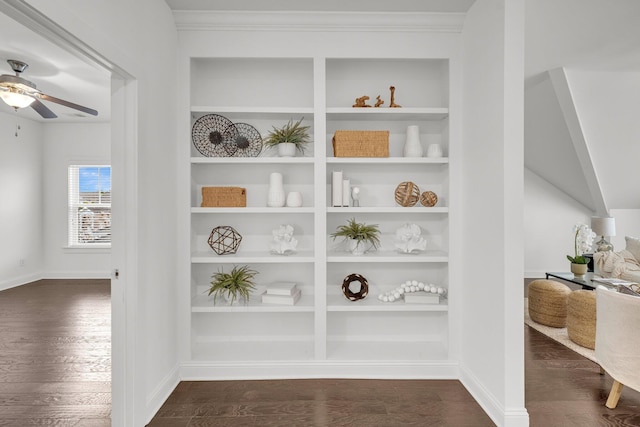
pixel 361 143
pixel 224 197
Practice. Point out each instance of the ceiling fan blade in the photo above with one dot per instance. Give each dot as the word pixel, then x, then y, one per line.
pixel 68 104
pixel 42 109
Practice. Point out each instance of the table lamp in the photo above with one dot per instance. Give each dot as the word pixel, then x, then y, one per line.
pixel 603 226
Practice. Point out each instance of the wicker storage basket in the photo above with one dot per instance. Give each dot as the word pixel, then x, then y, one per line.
pixel 224 197
pixel 361 143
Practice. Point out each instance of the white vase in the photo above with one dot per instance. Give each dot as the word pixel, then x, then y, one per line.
pixel 287 149
pixel 294 199
pixel 276 197
pixel 434 150
pixel 412 145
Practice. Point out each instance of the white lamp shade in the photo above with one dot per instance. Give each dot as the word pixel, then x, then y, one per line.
pixel 603 226
pixel 16 100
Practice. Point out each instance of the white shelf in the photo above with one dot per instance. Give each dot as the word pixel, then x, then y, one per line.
pixel 229 349
pixel 388 209
pixel 256 112
pixel 373 113
pixel 251 160
pixel 396 351
pixel 388 160
pixel 388 256
pixel 204 304
pixel 259 210
pixel 251 257
pixel 371 303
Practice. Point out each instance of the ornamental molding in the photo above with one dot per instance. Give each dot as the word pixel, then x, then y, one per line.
pixel 188 20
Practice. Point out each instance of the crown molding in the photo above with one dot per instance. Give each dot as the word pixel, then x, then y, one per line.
pixel 188 20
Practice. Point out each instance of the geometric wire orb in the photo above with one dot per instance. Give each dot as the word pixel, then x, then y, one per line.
pixel 224 240
pixel 349 293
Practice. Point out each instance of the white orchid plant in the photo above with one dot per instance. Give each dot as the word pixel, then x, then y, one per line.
pixel 583 239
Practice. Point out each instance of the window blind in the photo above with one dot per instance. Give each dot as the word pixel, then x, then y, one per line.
pixel 89 213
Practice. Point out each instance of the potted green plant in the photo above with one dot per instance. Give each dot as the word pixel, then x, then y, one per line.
pixel 582 241
pixel 231 286
pixel 289 138
pixel 360 237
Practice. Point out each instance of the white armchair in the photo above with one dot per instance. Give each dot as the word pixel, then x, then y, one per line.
pixel 618 340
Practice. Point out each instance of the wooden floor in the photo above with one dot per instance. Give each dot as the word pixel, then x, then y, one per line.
pixel 55 370
pixel 55 354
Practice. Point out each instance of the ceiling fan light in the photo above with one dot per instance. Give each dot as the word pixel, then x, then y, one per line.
pixel 16 100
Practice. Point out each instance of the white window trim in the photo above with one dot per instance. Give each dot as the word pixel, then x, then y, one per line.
pixel 93 248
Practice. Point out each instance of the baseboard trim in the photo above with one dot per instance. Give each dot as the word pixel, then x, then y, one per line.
pixel 512 417
pixel 207 371
pixel 161 393
pixel 19 281
pixel 94 274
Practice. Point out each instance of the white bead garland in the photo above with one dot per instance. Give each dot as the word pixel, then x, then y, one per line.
pixel 411 286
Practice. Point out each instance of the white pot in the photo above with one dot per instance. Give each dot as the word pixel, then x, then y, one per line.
pixel 287 149
pixel 357 247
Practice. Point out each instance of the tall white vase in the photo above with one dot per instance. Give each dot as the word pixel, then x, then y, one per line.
pixel 412 145
pixel 276 197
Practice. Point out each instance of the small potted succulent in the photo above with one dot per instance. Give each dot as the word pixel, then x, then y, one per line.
pixel 359 236
pixel 231 286
pixel 289 138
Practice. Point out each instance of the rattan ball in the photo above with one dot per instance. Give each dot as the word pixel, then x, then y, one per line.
pixel 581 318
pixel 355 296
pixel 429 199
pixel 548 302
pixel 224 240
pixel 407 194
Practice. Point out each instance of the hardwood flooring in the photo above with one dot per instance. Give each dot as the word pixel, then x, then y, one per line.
pixel 55 371
pixel 55 354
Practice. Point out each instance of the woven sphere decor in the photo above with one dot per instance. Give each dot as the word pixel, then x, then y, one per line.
pixel 429 199
pixel 407 194
pixel 224 240
pixel 355 296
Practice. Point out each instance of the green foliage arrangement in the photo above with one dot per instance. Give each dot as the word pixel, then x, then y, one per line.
pixel 294 133
pixel 359 231
pixel 237 283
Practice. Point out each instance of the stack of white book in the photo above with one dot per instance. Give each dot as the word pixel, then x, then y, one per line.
pixel 286 293
pixel 421 297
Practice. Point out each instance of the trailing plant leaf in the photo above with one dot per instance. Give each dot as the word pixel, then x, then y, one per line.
pixel 237 283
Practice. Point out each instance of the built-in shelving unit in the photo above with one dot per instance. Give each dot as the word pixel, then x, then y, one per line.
pixel 323 329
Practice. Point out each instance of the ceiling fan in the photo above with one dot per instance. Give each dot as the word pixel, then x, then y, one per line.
pixel 20 93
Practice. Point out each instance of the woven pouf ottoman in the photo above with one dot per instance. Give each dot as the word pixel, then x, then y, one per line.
pixel 581 318
pixel 548 302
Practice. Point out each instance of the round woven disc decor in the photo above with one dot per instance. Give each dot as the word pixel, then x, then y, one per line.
pixel 213 135
pixel 248 141
pixel 429 199
pixel 407 194
pixel 224 240
pixel 355 296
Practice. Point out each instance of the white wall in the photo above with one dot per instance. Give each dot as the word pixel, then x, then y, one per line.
pixel 492 232
pixel 549 217
pixel 607 104
pixel 140 38
pixel 21 229
pixel 66 144
pixel 627 224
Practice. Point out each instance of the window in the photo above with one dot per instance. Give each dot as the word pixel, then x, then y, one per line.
pixel 89 206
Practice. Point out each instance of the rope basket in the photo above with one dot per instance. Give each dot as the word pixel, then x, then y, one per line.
pixel 407 194
pixel 429 199
pixel 224 197
pixel 355 296
pixel 361 143
pixel 548 302
pixel 581 318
